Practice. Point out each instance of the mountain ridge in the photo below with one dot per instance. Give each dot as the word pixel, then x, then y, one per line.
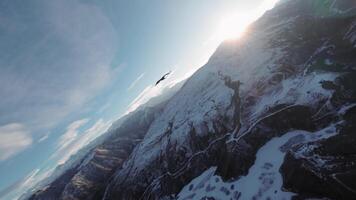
pixel 294 70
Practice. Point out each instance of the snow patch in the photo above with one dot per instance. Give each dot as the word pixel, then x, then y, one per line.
pixel 301 90
pixel 345 108
pixel 263 180
pixel 305 150
pixel 351 34
pixel 328 62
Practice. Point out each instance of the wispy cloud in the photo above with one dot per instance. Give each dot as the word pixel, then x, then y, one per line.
pixel 71 53
pixel 70 143
pixel 18 188
pixel 44 137
pixel 19 184
pixel 61 65
pixel 152 91
pixel 13 139
pixel 72 133
pixel 74 139
pixel 134 83
pixel 86 137
pixel 144 96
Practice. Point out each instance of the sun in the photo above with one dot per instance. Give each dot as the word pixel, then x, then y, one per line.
pixel 232 27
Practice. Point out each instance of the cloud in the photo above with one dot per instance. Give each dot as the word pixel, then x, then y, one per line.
pixel 143 97
pixel 152 91
pixel 160 91
pixel 27 181
pixel 73 140
pixel 19 184
pixel 72 133
pixel 68 138
pixel 14 138
pixel 18 188
pixel 10 189
pixel 87 136
pixel 62 64
pixel 44 137
pixel 148 93
pixel 133 84
pixel 68 144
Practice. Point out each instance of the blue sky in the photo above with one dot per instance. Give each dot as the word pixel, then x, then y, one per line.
pixel 69 68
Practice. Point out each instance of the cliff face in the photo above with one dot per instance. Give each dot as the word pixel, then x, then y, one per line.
pixel 289 66
pixel 288 87
pixel 88 179
pixel 325 167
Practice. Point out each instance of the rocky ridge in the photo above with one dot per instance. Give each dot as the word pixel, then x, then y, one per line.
pixel 294 70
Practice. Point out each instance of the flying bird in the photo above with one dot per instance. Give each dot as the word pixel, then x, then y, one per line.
pixel 163 78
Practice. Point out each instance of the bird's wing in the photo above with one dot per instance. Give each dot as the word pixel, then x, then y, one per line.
pixel 164 76
pixel 159 80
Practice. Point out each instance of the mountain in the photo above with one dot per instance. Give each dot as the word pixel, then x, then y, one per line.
pixel 270 116
pixel 96 162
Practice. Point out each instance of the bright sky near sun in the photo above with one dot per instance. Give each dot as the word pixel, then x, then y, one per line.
pixel 233 25
pixel 69 68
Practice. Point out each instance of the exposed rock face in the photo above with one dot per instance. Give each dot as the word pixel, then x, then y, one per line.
pixel 286 94
pixel 326 167
pixel 294 70
pixel 88 180
pixel 53 191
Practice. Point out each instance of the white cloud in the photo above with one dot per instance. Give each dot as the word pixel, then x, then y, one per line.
pixel 18 188
pixel 14 138
pixel 44 137
pixel 64 63
pixel 134 83
pixel 155 90
pixel 69 144
pixel 143 97
pixel 152 91
pixel 72 133
pixel 73 140
pixel 30 178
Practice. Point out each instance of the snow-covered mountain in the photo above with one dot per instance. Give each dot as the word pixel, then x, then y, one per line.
pixel 270 116
pixel 97 161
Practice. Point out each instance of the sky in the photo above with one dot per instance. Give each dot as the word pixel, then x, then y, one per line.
pixel 69 68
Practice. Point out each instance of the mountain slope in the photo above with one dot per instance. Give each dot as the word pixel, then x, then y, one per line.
pixel 85 174
pixel 288 86
pixel 269 82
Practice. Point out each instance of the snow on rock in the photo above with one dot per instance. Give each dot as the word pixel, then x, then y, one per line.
pixel 263 180
pixel 319 135
pixel 338 9
pixel 205 105
pixel 351 34
pixel 324 166
pixel 196 105
pixel 268 63
pixel 251 90
pixel 301 90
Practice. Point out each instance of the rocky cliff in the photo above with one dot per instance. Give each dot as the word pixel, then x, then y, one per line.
pixel 279 103
pixel 88 178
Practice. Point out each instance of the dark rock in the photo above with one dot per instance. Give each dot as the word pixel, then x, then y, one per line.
pixel 88 181
pixel 315 40
pixel 325 168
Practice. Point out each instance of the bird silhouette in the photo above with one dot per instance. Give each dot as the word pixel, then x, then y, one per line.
pixel 163 78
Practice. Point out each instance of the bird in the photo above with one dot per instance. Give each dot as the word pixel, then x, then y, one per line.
pixel 163 78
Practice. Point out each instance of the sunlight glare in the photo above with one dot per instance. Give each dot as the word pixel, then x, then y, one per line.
pixel 232 27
